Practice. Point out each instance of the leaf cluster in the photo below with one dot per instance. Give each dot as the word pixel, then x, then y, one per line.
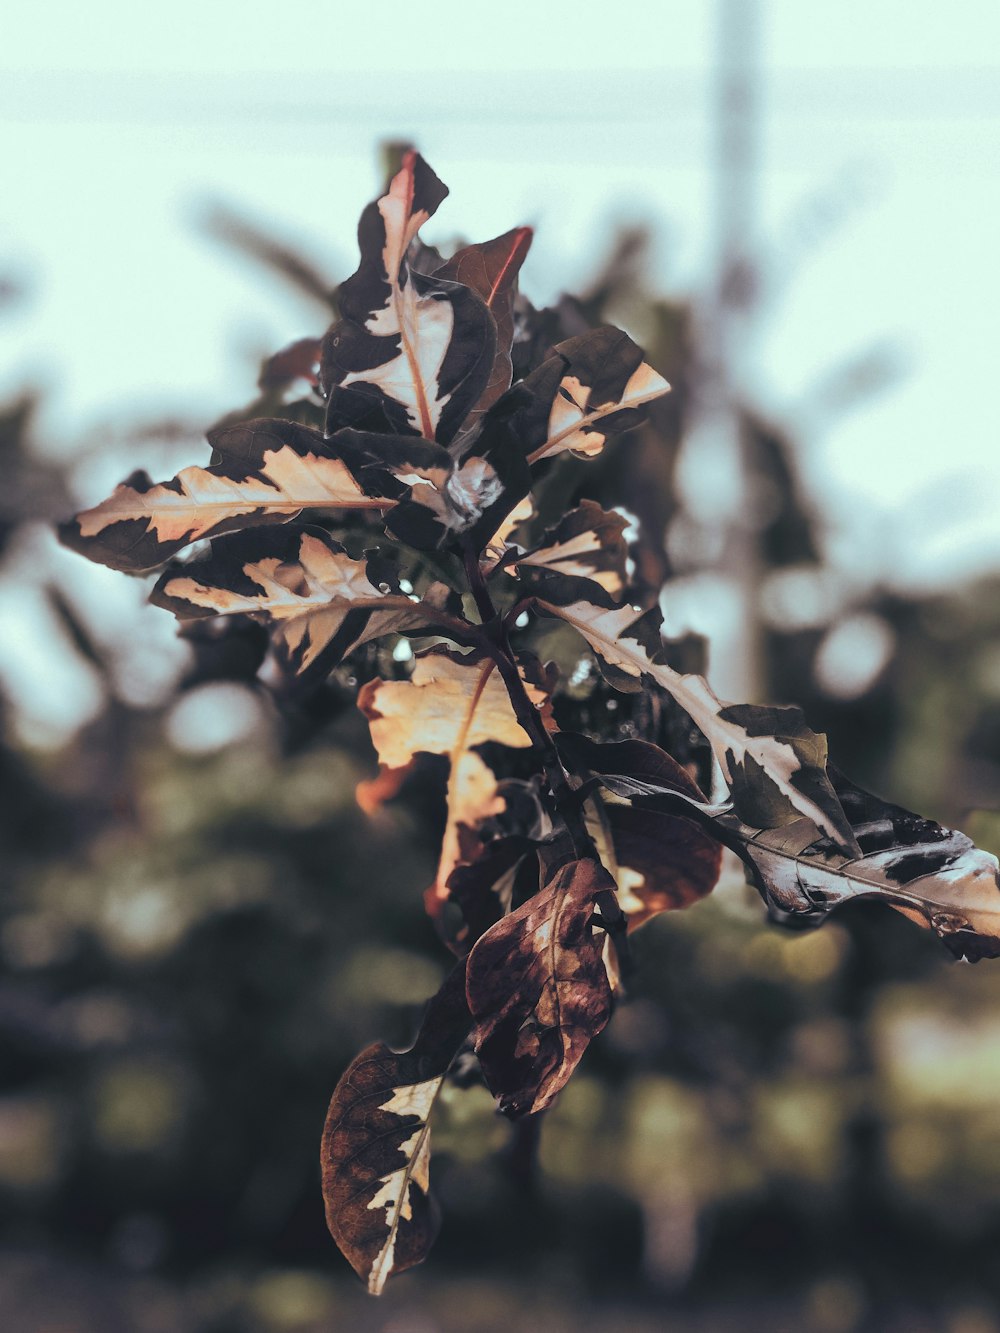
pixel 420 493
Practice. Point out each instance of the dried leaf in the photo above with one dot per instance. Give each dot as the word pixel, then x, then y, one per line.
pixel 538 990
pixel 376 1144
pixel 266 471
pixel 449 705
pixel 774 765
pixel 412 353
pixel 322 603
pixel 492 885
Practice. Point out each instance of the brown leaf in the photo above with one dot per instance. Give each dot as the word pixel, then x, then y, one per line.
pixel 935 876
pixel 375 1153
pixel 660 862
pixel 586 543
pixel 490 885
pixel 449 705
pixel 538 990
pixel 491 270
pixel 593 386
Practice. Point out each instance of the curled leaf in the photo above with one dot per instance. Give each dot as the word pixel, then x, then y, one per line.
pixel 375 1152
pixel 594 385
pixel 538 989
pixel 936 876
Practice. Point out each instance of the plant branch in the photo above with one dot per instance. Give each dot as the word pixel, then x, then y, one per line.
pixel 494 638
pixel 477 585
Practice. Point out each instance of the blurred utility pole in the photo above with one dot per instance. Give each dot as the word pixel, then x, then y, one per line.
pixel 724 502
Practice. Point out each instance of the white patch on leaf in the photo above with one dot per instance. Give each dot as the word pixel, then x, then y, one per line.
pixel 394 1192
pixel 573 413
pixel 289 482
pixel 606 631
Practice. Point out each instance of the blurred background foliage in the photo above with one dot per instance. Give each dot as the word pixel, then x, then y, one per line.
pixel 201 928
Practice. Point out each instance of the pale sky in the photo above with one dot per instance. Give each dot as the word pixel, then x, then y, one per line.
pixel 120 123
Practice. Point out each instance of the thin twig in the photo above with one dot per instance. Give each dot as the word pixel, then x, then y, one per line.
pixel 494 638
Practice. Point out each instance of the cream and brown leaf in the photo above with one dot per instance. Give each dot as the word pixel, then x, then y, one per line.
pixel 415 359
pixel 413 353
pixel 585 543
pixel 450 705
pixel 319 601
pixel 935 876
pixel 375 1153
pixel 264 471
pixel 593 386
pixel 774 764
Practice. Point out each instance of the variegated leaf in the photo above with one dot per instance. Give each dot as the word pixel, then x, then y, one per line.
pixel 265 471
pixel 450 705
pixel 490 270
pixel 594 386
pixel 935 876
pixel 412 353
pixel 376 1144
pixel 586 543
pixel 660 862
pixel 538 990
pixel 774 765
pixel 321 603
